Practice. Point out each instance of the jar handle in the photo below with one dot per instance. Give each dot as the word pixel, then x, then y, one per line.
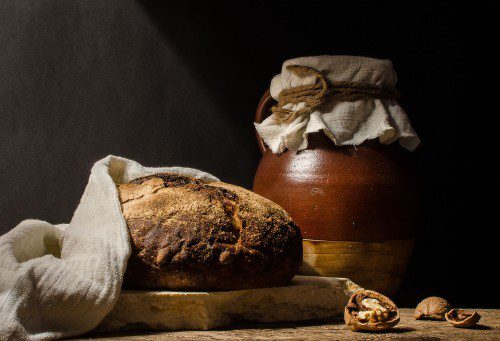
pixel 263 111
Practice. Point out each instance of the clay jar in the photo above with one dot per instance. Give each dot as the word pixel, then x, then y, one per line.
pixel 355 206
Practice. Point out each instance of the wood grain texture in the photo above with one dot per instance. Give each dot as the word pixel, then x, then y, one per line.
pixel 407 329
pixel 378 266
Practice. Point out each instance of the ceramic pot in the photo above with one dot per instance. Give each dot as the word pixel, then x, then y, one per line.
pixel 356 206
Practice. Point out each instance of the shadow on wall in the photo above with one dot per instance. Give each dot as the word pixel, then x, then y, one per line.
pixel 236 48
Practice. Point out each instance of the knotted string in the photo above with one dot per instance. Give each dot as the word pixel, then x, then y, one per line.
pixel 313 95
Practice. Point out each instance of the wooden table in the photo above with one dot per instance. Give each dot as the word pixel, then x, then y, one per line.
pixel 408 328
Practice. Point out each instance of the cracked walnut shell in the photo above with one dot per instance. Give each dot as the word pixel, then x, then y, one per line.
pixel 368 310
pixel 462 318
pixel 432 308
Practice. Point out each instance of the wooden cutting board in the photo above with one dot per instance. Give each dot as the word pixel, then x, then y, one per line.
pixel 307 297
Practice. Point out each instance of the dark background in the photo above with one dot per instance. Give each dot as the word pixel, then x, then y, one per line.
pixel 177 83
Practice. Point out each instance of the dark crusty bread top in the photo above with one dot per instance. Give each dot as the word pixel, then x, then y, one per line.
pixel 196 232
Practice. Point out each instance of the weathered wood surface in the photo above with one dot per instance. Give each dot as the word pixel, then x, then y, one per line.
pixel 408 329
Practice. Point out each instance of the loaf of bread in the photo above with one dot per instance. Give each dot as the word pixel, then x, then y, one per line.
pixel 188 234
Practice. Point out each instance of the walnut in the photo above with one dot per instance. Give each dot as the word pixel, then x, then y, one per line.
pixel 370 311
pixel 462 318
pixel 432 308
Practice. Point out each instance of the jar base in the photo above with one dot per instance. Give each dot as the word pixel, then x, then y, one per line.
pixel 378 266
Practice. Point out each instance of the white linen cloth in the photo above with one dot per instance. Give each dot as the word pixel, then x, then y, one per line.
pixel 344 122
pixel 62 280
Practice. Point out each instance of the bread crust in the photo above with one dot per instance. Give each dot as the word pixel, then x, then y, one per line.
pixel 188 234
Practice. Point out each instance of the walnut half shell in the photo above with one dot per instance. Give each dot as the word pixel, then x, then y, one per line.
pixel 432 308
pixel 462 318
pixel 368 310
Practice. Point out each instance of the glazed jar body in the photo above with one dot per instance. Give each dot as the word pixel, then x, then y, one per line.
pixel 356 207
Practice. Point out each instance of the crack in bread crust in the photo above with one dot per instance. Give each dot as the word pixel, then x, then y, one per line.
pixel 192 235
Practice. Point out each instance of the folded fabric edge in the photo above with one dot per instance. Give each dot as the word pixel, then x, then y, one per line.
pixel 279 145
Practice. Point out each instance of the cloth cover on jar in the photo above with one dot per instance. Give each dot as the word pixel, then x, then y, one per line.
pixel 344 122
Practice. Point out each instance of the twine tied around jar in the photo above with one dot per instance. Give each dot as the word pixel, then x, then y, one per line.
pixel 313 95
